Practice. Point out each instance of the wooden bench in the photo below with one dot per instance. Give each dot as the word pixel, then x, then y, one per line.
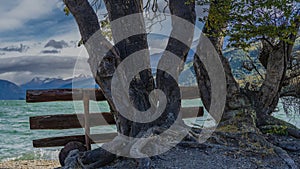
pixel 85 120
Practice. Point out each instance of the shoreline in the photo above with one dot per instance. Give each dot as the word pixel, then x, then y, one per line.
pixel 29 164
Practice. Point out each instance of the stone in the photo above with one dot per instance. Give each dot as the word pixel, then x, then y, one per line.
pixel 68 148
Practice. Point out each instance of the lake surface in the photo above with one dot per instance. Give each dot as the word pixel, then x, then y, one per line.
pixel 16 137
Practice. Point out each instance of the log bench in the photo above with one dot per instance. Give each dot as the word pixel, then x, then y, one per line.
pixel 85 120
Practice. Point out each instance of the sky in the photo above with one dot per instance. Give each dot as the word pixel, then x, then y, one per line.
pixel 37 39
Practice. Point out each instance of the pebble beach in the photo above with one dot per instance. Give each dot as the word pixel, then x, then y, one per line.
pixel 30 164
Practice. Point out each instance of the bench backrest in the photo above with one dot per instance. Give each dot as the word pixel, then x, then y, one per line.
pixel 85 120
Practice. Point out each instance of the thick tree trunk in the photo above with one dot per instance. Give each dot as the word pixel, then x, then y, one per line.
pixel 273 58
pixel 240 116
pixel 85 15
pixel 268 96
pixel 215 34
pixel 172 60
pixel 276 62
pixel 104 60
pixel 275 72
pixel 143 83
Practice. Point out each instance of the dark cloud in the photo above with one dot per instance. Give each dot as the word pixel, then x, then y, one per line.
pixel 36 64
pixel 22 48
pixel 50 51
pixel 23 69
pixel 57 44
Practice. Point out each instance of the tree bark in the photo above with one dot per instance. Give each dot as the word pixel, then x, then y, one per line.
pixel 215 34
pixel 143 83
pixel 177 49
pixel 104 59
pixel 278 57
pixel 276 68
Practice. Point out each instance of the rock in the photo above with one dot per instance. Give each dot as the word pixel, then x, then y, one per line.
pixel 69 147
pixel 71 161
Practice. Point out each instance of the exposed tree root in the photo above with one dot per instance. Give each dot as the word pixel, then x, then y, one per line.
pixel 285 157
pixel 273 125
pixel 95 158
pixel 241 132
pixel 239 135
pixel 285 142
pixel 279 151
pixel 140 149
pixel 88 160
pixel 69 147
pixel 253 143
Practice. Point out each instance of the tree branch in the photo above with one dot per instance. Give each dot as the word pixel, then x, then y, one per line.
pixel 84 15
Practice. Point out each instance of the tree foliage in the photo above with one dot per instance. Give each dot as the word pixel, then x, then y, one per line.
pixel 252 20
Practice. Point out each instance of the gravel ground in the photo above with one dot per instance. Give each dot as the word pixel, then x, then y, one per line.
pixel 29 164
pixel 186 157
pixel 211 158
pixel 183 158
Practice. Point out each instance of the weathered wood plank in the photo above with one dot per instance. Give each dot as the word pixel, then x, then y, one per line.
pixel 69 121
pixel 62 95
pixel 62 141
pixel 189 112
pixel 87 130
pixel 95 138
pixel 95 94
pixel 189 92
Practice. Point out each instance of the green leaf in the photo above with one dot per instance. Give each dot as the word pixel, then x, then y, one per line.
pixel 67 11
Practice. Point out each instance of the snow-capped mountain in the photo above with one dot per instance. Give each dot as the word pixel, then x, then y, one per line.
pixel 80 81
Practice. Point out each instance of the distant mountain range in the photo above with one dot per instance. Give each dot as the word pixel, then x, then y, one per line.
pixel 11 91
pixel 80 81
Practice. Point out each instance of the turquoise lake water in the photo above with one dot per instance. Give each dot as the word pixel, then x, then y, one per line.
pixel 16 137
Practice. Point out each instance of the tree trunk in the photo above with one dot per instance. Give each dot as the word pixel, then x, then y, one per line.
pixel 105 59
pixel 276 62
pixel 141 87
pixel 85 15
pixel 268 96
pixel 172 61
pixel 215 34
pixel 142 84
pixel 276 68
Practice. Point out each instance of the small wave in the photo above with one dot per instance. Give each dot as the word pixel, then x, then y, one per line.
pixel 39 154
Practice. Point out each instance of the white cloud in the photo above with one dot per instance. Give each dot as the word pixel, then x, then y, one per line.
pixel 36 48
pixel 13 16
